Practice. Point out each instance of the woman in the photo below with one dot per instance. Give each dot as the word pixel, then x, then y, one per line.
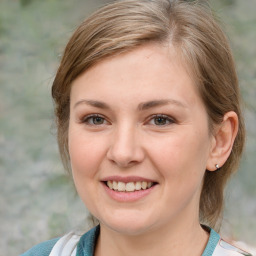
pixel 149 123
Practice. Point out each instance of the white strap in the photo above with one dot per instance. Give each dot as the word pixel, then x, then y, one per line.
pixel 225 249
pixel 66 245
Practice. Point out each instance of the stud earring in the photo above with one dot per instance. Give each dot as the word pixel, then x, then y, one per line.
pixel 217 166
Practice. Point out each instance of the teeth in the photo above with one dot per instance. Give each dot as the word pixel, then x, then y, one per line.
pixel 110 184
pixel 114 185
pixel 149 185
pixel 130 186
pixel 144 184
pixel 120 186
pixel 138 185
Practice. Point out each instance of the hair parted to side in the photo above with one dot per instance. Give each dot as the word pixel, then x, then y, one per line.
pixel 192 29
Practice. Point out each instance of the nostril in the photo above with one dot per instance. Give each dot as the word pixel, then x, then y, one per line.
pixel 125 150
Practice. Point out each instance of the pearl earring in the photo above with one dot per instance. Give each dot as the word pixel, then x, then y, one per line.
pixel 217 166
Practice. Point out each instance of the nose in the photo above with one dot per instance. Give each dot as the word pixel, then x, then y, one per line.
pixel 125 149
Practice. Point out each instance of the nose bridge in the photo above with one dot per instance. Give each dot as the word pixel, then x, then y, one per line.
pixel 125 148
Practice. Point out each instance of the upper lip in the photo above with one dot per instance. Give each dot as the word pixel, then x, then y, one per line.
pixel 127 179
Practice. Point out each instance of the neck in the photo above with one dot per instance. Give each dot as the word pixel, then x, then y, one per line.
pixel 186 239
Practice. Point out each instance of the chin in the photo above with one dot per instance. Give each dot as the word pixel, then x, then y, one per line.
pixel 131 226
pixel 129 230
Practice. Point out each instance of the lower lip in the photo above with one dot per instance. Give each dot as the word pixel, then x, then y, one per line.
pixel 127 196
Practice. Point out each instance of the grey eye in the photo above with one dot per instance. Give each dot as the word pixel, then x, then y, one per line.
pixel 159 120
pixel 94 120
pixel 97 120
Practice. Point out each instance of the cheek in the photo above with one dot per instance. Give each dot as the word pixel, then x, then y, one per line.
pixel 85 158
pixel 181 155
pixel 85 154
pixel 181 163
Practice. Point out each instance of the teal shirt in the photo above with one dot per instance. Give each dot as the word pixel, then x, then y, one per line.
pixel 42 249
pixel 87 243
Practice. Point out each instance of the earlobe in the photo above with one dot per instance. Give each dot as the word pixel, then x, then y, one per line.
pixel 223 140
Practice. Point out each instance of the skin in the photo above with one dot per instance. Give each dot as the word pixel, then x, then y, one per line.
pixel 126 139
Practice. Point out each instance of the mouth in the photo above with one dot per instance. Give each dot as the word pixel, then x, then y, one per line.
pixel 120 186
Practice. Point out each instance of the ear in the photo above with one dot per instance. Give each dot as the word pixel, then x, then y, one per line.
pixel 222 141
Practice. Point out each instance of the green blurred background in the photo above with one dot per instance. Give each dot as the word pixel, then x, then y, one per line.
pixel 38 200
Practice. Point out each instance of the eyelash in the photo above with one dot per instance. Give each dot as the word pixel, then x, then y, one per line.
pixel 89 120
pixel 164 117
pixel 92 117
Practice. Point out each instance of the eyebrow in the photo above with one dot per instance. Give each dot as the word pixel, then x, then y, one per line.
pixel 93 103
pixel 159 103
pixel 142 106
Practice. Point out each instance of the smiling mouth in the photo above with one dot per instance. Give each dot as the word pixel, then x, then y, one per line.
pixel 129 186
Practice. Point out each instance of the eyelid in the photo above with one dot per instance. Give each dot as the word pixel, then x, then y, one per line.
pixel 167 117
pixel 85 119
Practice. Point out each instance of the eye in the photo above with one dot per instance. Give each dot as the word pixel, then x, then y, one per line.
pixel 94 120
pixel 161 120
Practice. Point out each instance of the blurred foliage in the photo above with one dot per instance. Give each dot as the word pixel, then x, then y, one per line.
pixel 56 222
pixel 226 2
pixel 57 181
pixel 1 27
pixel 24 3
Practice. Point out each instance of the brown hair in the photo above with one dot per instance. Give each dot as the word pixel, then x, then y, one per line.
pixel 193 30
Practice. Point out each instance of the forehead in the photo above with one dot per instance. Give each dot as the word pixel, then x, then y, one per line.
pixel 146 71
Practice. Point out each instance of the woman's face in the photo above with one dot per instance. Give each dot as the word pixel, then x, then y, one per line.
pixel 139 142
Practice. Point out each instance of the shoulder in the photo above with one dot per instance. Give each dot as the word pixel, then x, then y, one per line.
pixel 224 248
pixel 87 242
pixel 72 243
pixel 216 246
pixel 42 249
